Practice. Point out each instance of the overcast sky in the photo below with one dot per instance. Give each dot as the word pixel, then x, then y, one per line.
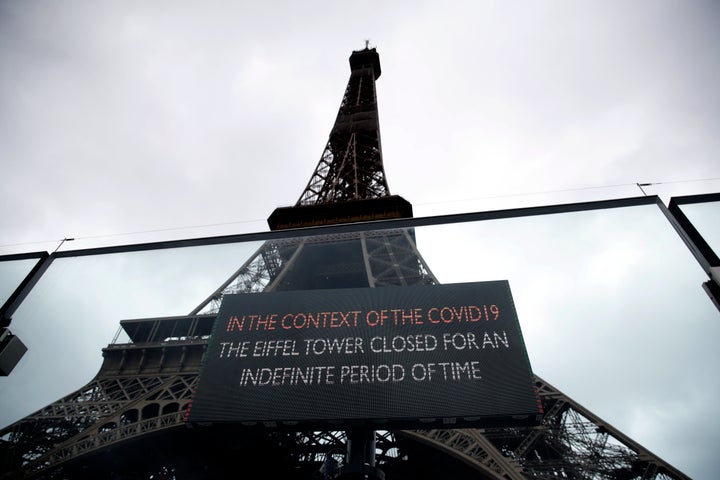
pixel 135 116
pixel 130 121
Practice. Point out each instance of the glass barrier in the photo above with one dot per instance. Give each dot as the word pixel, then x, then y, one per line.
pixel 704 216
pixel 612 311
pixel 75 309
pixel 12 273
pixel 609 301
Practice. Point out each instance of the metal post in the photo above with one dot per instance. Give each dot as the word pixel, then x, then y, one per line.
pixel 361 456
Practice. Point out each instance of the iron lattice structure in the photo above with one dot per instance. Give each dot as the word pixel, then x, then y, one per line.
pixel 360 259
pixel 351 166
pixel 129 421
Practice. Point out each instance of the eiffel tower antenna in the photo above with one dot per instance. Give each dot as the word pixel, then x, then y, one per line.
pixel 128 422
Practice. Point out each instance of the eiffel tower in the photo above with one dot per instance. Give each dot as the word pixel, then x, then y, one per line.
pixel 129 421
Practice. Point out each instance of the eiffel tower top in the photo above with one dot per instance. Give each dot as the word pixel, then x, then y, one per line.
pixel 349 184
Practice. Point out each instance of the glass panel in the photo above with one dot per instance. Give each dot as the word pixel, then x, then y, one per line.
pixel 613 314
pixel 12 273
pixel 75 309
pixel 610 303
pixel 704 216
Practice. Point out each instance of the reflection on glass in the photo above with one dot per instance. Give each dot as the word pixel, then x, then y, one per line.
pixel 704 217
pixel 12 273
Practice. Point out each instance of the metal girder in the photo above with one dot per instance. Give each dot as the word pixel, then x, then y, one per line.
pixel 108 410
pixel 472 448
pixel 390 257
pixel 351 165
pixel 570 443
pixel 255 275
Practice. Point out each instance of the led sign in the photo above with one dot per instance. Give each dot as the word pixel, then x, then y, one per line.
pixel 404 356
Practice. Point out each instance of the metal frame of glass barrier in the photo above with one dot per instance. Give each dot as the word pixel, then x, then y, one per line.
pixel 694 241
pixel 692 238
pixel 25 286
pixel 701 250
pixel 12 348
pixel 375 225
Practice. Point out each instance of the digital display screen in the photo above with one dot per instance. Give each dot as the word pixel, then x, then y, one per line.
pixel 403 357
